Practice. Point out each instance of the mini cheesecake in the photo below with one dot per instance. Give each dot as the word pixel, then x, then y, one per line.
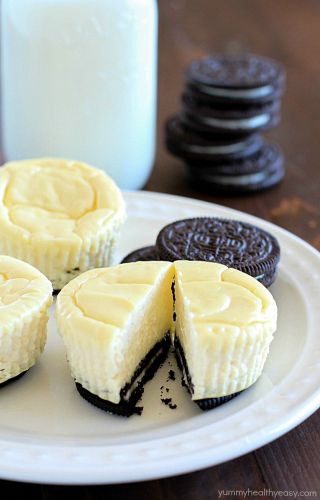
pixel 25 296
pixel 61 216
pixel 225 321
pixel 116 323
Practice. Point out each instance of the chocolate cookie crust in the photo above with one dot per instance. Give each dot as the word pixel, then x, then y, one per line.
pixel 132 392
pixel 233 243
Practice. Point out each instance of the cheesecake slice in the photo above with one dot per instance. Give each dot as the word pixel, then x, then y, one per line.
pixel 25 297
pixel 116 323
pixel 225 321
pixel 61 216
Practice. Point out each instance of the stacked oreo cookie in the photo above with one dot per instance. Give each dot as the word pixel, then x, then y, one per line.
pixel 227 102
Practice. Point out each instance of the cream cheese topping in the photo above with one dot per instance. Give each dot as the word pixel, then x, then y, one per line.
pixel 218 294
pixel 50 199
pixel 25 296
pixel 60 207
pixel 22 289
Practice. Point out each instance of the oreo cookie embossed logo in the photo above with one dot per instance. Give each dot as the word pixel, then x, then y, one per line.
pixel 232 243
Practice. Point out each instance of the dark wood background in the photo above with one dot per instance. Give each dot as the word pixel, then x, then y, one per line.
pixel 287 30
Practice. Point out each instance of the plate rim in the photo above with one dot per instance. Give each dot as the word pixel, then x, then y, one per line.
pixel 200 459
pixel 235 211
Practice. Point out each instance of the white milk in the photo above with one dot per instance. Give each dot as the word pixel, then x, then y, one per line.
pixel 79 81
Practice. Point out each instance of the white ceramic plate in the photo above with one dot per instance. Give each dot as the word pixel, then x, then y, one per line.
pixel 49 434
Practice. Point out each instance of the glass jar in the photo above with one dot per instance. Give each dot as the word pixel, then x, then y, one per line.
pixel 79 82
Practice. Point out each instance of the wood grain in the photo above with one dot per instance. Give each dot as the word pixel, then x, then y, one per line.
pixel 287 30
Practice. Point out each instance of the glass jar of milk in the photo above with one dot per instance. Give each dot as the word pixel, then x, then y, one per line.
pixel 79 82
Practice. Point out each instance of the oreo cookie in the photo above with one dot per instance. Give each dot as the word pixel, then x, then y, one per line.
pixel 194 146
pixel 132 392
pixel 226 120
pixel 261 171
pixel 144 253
pixel 226 103
pixel 237 79
pixel 233 243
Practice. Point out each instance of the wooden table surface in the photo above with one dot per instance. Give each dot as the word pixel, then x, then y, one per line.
pixel 287 30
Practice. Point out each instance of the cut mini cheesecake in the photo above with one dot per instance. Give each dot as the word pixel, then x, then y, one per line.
pixel 61 216
pixel 116 325
pixel 25 296
pixel 224 327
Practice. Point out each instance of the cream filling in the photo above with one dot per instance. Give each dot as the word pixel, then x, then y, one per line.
pixel 243 123
pixel 237 180
pixel 236 93
pixel 225 149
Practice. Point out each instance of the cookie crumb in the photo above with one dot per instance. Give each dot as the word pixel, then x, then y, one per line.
pixel 171 375
pixel 138 410
pixel 168 402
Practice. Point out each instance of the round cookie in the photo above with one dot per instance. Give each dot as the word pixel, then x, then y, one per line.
pixel 237 184
pixel 233 243
pixel 268 153
pixel 141 254
pixel 260 171
pixel 203 116
pixel 244 78
pixel 190 145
